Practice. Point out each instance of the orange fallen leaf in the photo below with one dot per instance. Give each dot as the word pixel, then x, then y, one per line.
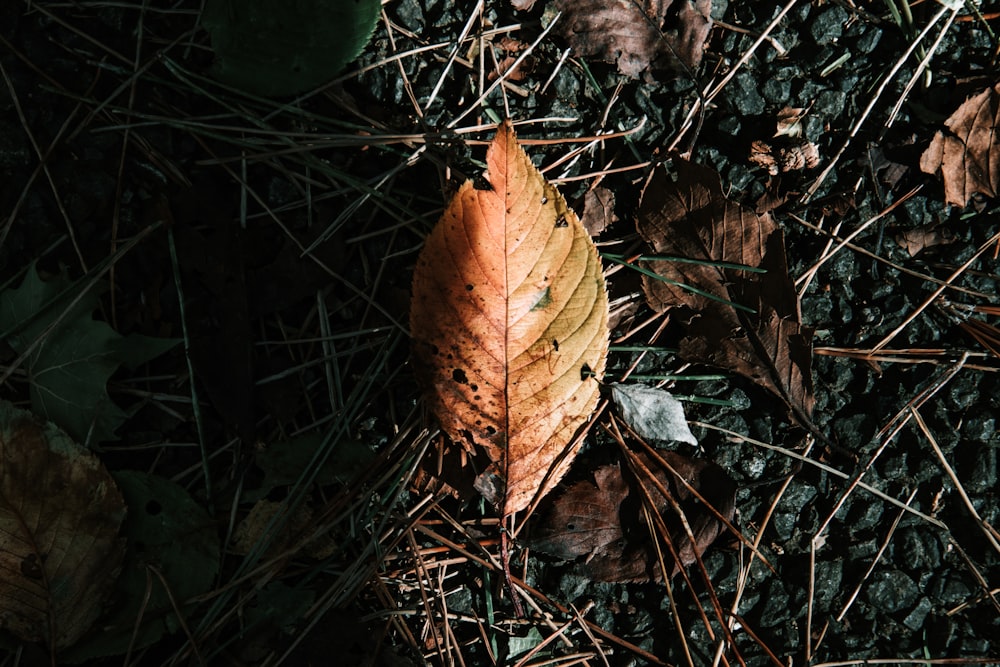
pixel 967 155
pixel 509 325
pixel 744 321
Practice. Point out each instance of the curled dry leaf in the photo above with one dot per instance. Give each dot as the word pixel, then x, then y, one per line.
pixel 967 153
pixel 60 513
pixel 652 34
pixel 752 325
pixel 601 522
pixel 509 325
pixel 776 157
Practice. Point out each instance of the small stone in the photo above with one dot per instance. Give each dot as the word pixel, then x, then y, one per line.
pixel 744 96
pixel 915 619
pixel 827 27
pixel 892 591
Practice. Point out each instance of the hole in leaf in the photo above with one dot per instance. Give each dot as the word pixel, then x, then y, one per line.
pixel 491 430
pixel 586 372
pixel 31 568
pixel 561 221
pixel 458 375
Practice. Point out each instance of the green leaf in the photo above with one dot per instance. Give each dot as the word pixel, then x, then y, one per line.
pixel 69 370
pixel 166 530
pixel 277 47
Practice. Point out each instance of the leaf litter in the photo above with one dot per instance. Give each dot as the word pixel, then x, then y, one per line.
pixel 600 523
pixel 652 35
pixel 60 513
pixel 745 320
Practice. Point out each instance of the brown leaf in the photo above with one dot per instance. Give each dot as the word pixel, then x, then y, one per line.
pixel 967 153
pixel 60 513
pixel 923 237
pixel 598 210
pixel 651 34
pixel 760 337
pixel 509 324
pixel 602 521
pixel 779 156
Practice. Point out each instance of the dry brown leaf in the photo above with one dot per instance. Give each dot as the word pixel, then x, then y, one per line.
pixel 60 513
pixel 509 324
pixel 651 34
pixel 598 210
pixel 778 157
pixel 967 153
pixel 926 236
pixel 691 218
pixel 601 521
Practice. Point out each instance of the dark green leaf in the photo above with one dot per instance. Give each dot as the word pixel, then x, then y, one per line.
pixel 276 47
pixel 169 532
pixel 69 370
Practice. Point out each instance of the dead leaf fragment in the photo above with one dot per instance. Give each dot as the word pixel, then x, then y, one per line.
pixel 751 323
pixel 601 522
pixel 60 513
pixel 778 157
pixel 598 210
pixel 652 413
pixel 923 237
pixel 789 122
pixel 967 153
pixel 652 34
pixel 509 325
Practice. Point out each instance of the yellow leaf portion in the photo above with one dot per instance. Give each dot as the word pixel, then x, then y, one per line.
pixel 510 324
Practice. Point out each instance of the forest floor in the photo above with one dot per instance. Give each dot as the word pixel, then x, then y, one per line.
pixel 285 516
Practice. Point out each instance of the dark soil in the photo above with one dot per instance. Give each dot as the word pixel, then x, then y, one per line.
pixel 296 230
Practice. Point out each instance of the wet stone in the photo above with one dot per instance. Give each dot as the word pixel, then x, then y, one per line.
pixel 983 474
pixel 862 550
pixel 744 96
pixel 776 605
pixel 919 548
pixel 831 102
pixel 829 575
pixel 865 515
pixel 776 90
pixel 891 591
pixel 753 466
pixel 828 26
pixel 869 38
